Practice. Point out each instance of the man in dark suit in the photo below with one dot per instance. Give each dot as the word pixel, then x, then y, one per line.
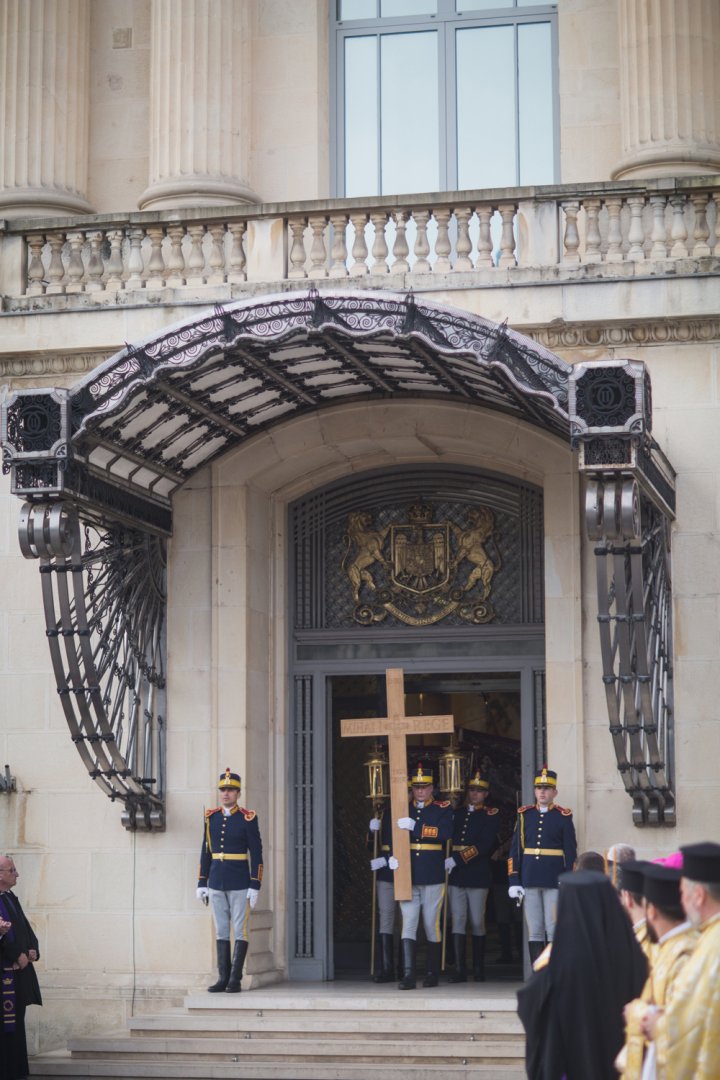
pixel 19 950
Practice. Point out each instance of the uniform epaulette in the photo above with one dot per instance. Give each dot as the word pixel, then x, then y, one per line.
pixel 492 810
pixel 522 809
pixel 563 810
pixel 214 810
pixel 444 803
pixel 249 815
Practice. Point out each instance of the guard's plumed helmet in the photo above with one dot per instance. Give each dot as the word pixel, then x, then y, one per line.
pixel 229 780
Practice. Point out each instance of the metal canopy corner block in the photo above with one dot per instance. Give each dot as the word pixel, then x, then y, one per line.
pixel 629 508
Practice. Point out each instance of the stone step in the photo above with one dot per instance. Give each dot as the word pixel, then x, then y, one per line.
pixel 331 1026
pixel 465 998
pixel 62 1064
pixel 408 1050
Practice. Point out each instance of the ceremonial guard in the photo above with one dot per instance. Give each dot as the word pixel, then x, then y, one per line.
pixel 231 870
pixel 475 838
pixel 385 893
pixel 543 847
pixel 430 825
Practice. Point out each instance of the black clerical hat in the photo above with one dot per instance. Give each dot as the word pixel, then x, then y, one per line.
pixel 661 885
pixel 701 862
pixel 631 875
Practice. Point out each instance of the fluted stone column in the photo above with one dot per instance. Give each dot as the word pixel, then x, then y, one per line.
pixel 199 108
pixel 669 88
pixel 44 65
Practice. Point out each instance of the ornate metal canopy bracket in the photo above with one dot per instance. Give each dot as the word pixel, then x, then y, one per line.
pixel 103 588
pixel 629 506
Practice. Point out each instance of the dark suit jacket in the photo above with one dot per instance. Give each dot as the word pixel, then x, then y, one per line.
pixel 19 940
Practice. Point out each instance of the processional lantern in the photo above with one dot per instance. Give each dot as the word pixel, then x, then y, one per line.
pixel 378 779
pixel 454 766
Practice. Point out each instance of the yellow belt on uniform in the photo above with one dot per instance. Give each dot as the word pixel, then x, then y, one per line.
pixel 543 851
pixel 461 847
pixel 222 856
pixel 426 847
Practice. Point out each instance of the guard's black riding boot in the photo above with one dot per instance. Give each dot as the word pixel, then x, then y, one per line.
pixel 535 948
pixel 239 954
pixel 478 951
pixel 408 956
pixel 223 963
pixel 460 973
pixel 505 944
pixel 432 978
pixel 384 967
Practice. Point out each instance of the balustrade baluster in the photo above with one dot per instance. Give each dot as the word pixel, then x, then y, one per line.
pixel 359 249
pixel 216 258
pixel 507 238
pixel 36 270
pixel 135 261
pixel 155 278
pixel 297 248
pixel 593 253
pixel 76 267
pixel 115 262
pixel 614 236
pixel 401 250
pixel 714 204
pixel 196 256
pixel 422 247
pixel 379 248
pixel 678 232
pixel 485 244
pixel 636 232
pixel 339 251
pixel 658 234
pixel 318 251
pixel 237 261
pixel 176 258
pixel 571 237
pixel 701 232
pixel 443 246
pixel 95 268
pixel 463 244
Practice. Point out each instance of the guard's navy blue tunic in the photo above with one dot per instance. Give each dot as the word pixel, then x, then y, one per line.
pixel 231 854
pixel 433 827
pixel 475 838
pixel 543 847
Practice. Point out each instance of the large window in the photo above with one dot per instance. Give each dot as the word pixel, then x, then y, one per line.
pixel 435 95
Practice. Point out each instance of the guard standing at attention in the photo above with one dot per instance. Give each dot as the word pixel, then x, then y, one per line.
pixel 543 847
pixel 475 838
pixel 231 870
pixel 430 825
pixel 385 893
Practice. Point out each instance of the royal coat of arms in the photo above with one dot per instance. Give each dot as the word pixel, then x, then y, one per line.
pixel 421 571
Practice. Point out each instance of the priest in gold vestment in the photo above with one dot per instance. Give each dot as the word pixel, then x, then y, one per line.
pixel 676 940
pixel 631 898
pixel 687 1030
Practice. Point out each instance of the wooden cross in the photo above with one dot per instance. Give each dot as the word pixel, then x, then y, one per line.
pixel 397 726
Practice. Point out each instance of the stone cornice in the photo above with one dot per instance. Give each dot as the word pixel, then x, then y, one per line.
pixel 617 335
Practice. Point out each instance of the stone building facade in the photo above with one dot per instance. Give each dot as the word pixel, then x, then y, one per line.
pixel 174 223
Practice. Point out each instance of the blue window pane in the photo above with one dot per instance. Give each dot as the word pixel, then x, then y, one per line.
pixel 390 9
pixel 409 112
pixel 486 154
pixel 482 5
pixel 361 116
pixel 358 9
pixel 535 93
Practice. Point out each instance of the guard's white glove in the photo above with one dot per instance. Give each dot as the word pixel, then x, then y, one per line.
pixel 516 891
pixel 449 866
pixel 379 863
pixel 253 897
pixel 393 863
pixel 406 823
pixel 374 825
pixel 202 893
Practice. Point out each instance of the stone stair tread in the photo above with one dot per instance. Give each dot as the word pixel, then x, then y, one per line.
pixel 463 998
pixel 293 1023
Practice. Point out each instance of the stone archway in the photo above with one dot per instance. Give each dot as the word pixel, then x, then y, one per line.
pixel 111 452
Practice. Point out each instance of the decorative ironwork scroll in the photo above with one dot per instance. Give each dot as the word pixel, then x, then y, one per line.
pixel 104 602
pixel 629 505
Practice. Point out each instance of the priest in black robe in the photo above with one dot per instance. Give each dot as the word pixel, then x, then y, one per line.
pixel 19 950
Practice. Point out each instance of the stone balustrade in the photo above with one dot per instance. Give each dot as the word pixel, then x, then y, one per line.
pixel 661 226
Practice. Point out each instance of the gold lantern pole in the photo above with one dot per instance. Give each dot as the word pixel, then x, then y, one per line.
pixel 378 790
pixel 453 775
